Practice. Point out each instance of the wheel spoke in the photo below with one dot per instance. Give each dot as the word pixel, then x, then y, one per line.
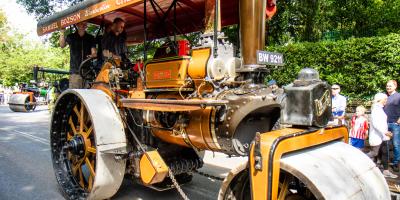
pixel 81 119
pixel 90 182
pixel 89 165
pixel 72 125
pixel 76 112
pixel 89 131
pixel 284 188
pixel 91 149
pixel 69 136
pixel 81 177
pixel 79 115
pixel 75 168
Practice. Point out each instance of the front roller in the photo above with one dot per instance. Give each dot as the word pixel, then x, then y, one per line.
pixel 325 170
pixel 86 134
pixel 22 102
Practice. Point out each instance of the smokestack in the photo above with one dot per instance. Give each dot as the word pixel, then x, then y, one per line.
pixel 252 31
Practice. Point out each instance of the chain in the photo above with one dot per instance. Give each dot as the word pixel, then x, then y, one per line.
pixel 209 176
pixel 177 186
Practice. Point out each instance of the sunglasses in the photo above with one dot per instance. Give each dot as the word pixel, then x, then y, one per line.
pixel 335 88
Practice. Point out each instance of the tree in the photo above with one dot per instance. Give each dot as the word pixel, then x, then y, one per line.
pixel 3 27
pixel 314 20
pixel 44 8
pixel 18 56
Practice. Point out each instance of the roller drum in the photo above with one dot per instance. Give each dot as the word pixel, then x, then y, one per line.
pixel 21 103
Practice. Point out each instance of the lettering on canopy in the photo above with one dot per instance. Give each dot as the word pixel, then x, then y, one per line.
pixel 70 20
pixel 85 14
pixel 50 28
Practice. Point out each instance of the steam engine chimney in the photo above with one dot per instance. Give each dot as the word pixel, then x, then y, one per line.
pixel 252 15
pixel 252 31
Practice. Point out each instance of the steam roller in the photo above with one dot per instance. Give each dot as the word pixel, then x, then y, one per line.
pixel 150 126
pixel 26 99
pixel 22 102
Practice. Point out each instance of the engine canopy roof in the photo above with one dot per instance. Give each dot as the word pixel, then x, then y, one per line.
pixel 190 16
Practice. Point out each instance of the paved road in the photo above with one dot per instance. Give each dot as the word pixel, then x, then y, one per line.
pixel 26 171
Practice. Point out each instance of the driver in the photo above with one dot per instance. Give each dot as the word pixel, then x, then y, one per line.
pixel 114 42
pixel 82 45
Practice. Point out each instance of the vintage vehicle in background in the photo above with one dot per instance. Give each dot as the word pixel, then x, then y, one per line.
pixel 205 96
pixel 35 94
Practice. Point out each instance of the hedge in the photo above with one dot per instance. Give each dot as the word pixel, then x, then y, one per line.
pixel 362 66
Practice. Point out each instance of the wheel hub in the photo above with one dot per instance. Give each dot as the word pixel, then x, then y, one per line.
pixel 77 146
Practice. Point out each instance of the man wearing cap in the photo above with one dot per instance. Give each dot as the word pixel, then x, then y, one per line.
pixel 392 110
pixel 338 105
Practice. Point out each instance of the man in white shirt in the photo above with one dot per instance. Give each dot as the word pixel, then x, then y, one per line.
pixel 338 105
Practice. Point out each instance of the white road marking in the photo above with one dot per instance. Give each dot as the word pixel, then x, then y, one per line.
pixel 28 135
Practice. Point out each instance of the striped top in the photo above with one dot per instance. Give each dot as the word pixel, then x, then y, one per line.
pixel 359 127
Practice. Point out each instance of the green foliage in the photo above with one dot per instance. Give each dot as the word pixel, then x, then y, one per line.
pixel 362 66
pixel 43 8
pixel 18 59
pixel 3 27
pixel 315 20
pixel 18 56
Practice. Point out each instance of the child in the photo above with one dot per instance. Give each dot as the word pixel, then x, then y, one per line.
pixel 359 128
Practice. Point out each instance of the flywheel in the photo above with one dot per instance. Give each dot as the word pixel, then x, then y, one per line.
pixel 86 135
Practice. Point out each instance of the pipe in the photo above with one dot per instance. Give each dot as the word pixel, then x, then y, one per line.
pixel 252 31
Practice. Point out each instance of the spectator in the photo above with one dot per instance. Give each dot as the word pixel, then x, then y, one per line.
pixel 359 128
pixel 338 105
pixel 379 136
pixel 392 110
pixel 82 45
pixel 7 94
pixel 1 95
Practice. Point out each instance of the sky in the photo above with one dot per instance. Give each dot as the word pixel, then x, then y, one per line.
pixel 19 19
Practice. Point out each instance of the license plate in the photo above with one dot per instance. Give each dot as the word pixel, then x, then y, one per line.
pixel 269 58
pixel 162 74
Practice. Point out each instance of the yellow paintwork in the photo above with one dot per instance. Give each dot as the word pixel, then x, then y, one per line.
pixel 198 65
pixel 259 178
pixel 197 70
pixel 199 131
pixel 166 74
pixel 102 79
pixel 152 168
pixel 138 92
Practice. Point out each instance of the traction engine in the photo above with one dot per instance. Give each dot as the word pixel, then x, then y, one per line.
pixel 152 126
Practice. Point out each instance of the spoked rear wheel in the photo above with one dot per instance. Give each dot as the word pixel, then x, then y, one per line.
pixel 80 149
pixel 85 129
